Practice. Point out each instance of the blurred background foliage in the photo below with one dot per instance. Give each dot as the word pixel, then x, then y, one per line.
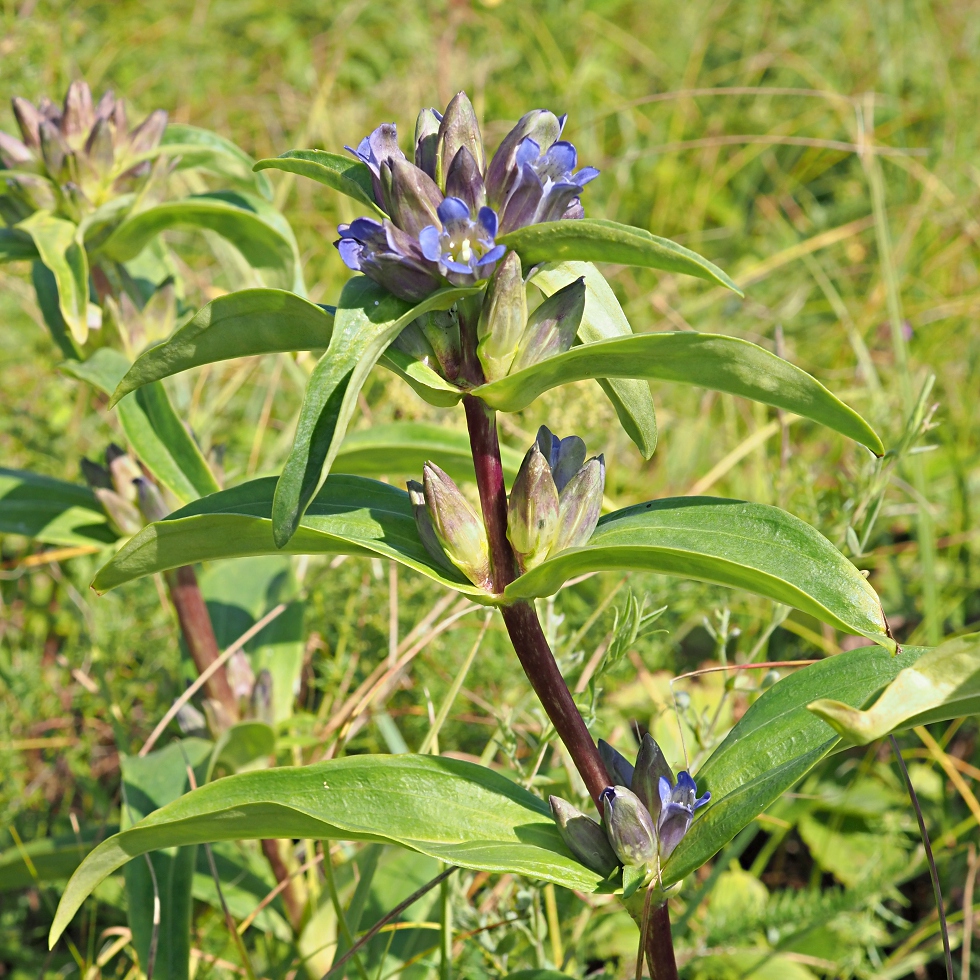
pixel 848 261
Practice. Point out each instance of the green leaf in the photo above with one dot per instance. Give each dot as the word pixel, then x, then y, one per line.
pixel 344 174
pixel 53 858
pixel 604 318
pixel 730 542
pixel 401 448
pixel 708 360
pixel 455 811
pixel 151 782
pixel 51 511
pixel 16 245
pixel 241 324
pixel 428 385
pixel 350 515
pixel 775 743
pixel 253 226
pixel 242 745
pixel 204 150
pixel 368 319
pixel 154 430
pixel 598 240
pixel 537 975
pixel 943 684
pixel 61 251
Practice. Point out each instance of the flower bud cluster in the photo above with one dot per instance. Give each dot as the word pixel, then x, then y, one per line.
pixel 445 208
pixel 73 158
pixel 556 499
pixel 645 814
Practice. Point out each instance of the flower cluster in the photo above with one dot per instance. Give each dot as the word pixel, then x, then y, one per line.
pixel 446 209
pixel 645 814
pixel 73 158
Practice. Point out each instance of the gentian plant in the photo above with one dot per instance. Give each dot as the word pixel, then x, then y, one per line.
pixel 444 258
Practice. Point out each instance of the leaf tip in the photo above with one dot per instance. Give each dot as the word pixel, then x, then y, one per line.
pixel 848 722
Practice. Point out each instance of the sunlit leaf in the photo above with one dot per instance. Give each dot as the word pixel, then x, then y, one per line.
pixel 342 173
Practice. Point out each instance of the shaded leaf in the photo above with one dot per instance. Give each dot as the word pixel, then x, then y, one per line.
pixel 604 318
pixel 46 291
pixel 60 250
pixel 943 684
pixel 775 743
pixel 205 150
pixel 342 173
pixel 598 240
pixel 16 245
pixel 730 542
pixel 368 319
pixel 350 515
pixel 51 511
pixel 707 360
pixel 53 858
pixel 154 430
pixel 455 811
pixel 241 324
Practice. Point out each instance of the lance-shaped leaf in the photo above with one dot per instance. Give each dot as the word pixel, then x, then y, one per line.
pixel 368 319
pixel 57 244
pixel 202 149
pixel 455 811
pixel 707 360
pixel 604 318
pixel 241 324
pixel 51 511
pixel 342 173
pixel 402 448
pixel 16 245
pixel 942 684
pixel 775 743
pixel 730 542
pixel 598 240
pixel 253 226
pixel 350 515
pixel 427 384
pixel 153 429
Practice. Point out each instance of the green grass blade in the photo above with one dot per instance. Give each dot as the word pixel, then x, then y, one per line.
pixel 743 545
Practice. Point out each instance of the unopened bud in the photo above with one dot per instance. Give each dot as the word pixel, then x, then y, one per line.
pixel 441 330
pixel 124 470
pixel 551 328
pixel 583 837
pixel 426 137
pixel 565 456
pixel 540 125
pixel 147 135
pixel 260 700
pixel 77 116
pixel 29 121
pixel 580 505
pixel 465 181
pixel 650 767
pixel 503 318
pixel 618 767
pixel 423 521
pixel 457 526
pixel 411 196
pixel 151 502
pixel 459 127
pixel 628 826
pixel 98 147
pixel 533 510
pixel 122 512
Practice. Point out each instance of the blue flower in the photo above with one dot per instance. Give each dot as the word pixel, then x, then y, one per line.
pixel 677 806
pixel 463 248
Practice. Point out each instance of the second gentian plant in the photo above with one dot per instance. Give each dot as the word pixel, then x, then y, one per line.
pixel 474 281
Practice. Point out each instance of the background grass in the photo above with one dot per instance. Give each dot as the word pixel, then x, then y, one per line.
pixel 860 267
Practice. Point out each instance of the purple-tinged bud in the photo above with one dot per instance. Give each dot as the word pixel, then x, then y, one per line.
pixel 426 138
pixel 121 121
pixel 458 527
pixel 124 469
pixel 29 121
pixel 423 521
pixel 411 196
pixel 122 512
pixel 106 106
pixel 565 456
pixel 151 502
pixel 618 767
pixel 540 125
pixel 651 766
pixel 260 700
pixel 465 181
pixel 551 328
pixel 580 505
pixel 583 837
pixel 441 329
pixel 147 135
pixel 628 826
pixel 459 127
pixel 77 116
pixel 503 318
pixel 532 513
pixel 54 149
pixel 13 152
pixel 677 806
pixel 99 146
